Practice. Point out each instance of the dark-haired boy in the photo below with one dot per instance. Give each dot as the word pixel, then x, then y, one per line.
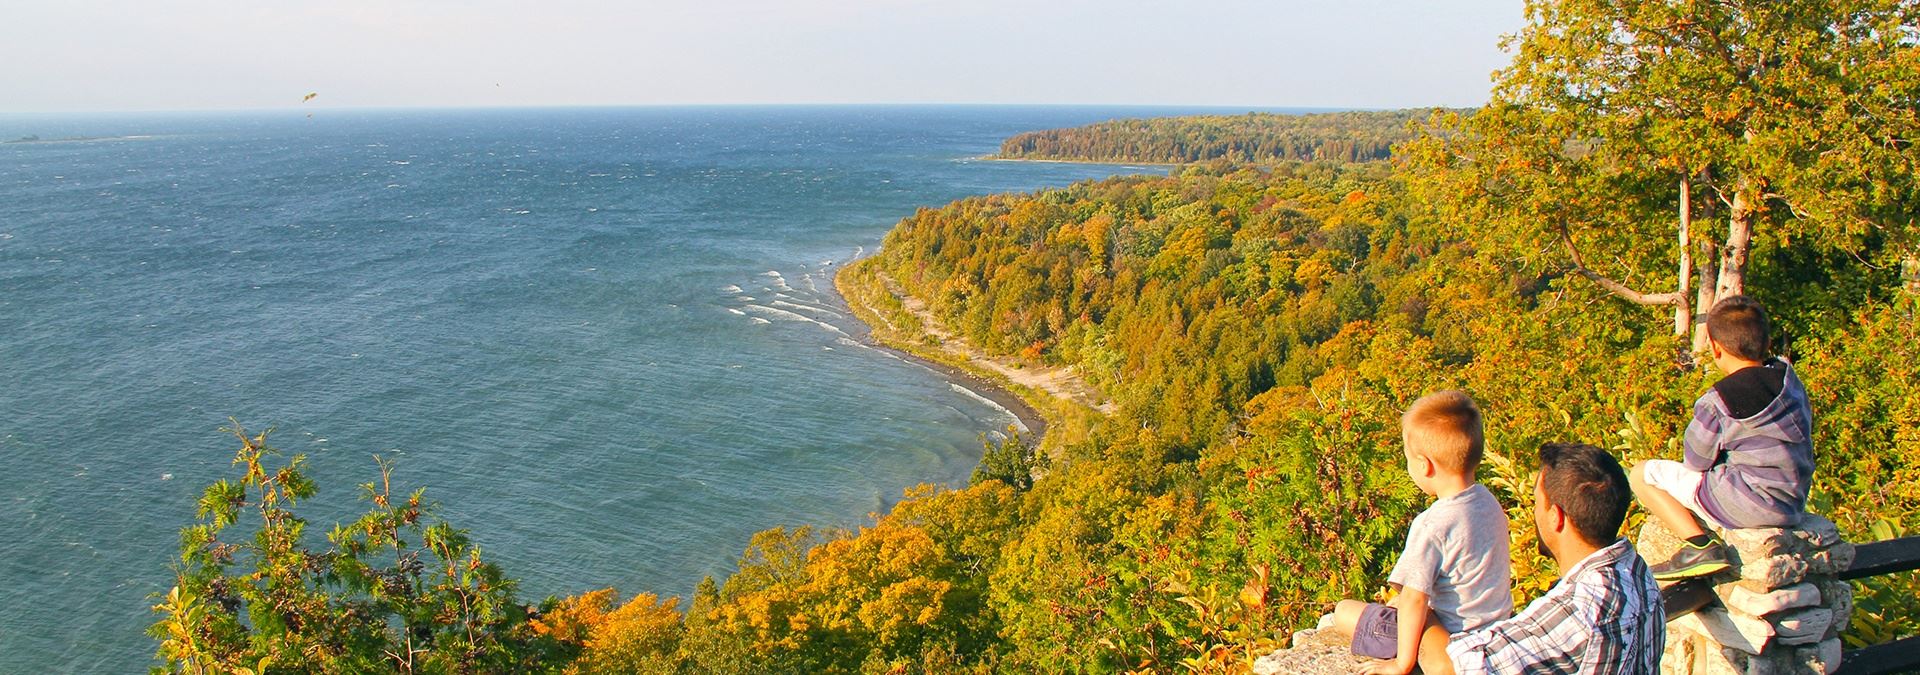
pixel 1749 448
pixel 1604 616
pixel 1454 574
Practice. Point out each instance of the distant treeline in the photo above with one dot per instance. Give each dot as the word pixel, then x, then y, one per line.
pixel 1253 137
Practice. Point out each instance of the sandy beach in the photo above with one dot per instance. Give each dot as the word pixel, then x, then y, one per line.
pixel 973 367
pixel 1029 416
pixel 997 158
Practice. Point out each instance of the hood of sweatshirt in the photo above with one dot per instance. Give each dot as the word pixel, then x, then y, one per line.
pixel 1788 418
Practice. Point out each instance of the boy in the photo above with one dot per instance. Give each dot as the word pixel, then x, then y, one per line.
pixel 1455 570
pixel 1749 449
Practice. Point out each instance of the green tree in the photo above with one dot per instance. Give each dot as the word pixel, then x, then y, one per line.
pixel 390 594
pixel 1012 461
pixel 1619 125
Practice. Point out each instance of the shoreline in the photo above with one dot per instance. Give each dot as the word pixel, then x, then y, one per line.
pixel 997 158
pixel 1025 412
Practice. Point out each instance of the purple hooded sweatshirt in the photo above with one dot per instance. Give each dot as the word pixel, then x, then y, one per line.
pixel 1752 436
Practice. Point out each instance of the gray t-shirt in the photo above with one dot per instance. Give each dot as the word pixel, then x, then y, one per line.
pixel 1457 555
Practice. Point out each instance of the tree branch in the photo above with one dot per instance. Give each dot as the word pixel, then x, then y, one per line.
pixel 1615 287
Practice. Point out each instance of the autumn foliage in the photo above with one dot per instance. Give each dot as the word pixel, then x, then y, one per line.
pixel 1258 327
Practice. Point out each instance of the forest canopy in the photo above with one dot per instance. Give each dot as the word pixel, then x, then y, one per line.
pixel 1256 137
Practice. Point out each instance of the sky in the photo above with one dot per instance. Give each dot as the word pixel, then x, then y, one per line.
pixel 98 55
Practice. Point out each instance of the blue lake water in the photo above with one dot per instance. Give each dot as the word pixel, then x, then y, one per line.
pixel 604 339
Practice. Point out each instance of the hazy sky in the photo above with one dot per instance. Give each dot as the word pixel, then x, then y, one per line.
pixel 83 55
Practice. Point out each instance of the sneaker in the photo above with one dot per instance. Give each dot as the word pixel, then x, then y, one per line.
pixel 1693 561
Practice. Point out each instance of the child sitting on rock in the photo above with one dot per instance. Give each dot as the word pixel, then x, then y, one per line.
pixel 1455 570
pixel 1749 448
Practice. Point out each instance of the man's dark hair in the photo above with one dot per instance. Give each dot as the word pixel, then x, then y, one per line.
pixel 1739 324
pixel 1589 486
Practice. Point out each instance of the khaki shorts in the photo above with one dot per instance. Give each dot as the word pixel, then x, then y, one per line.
pixel 1682 483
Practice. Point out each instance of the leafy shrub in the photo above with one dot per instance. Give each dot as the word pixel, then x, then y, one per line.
pixel 390 592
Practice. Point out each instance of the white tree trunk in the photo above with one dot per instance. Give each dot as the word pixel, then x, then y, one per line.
pixel 1704 299
pixel 1683 310
pixel 1733 254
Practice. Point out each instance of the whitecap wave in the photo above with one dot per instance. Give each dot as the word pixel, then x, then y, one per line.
pixel 818 311
pixel 790 316
pixel 730 309
pixel 730 289
pixel 758 320
pixel 1017 422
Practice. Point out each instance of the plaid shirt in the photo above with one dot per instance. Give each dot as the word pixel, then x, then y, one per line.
pixel 1604 616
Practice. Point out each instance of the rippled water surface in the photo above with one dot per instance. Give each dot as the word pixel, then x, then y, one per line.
pixel 603 339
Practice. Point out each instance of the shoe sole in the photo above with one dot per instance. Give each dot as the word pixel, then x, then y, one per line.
pixel 1699 570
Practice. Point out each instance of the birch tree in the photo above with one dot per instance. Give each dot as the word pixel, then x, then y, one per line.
pixel 1649 145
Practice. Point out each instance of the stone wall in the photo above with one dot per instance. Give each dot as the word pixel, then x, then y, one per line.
pixel 1780 611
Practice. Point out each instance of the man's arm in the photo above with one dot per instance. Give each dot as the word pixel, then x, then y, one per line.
pixel 1548 632
pixel 1412 607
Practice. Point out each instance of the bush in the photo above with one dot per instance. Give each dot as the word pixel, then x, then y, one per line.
pixel 390 593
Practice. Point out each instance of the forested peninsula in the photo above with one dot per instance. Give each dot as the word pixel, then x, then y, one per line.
pixel 1359 136
pixel 1248 329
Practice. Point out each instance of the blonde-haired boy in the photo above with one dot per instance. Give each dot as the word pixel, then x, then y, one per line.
pixel 1454 572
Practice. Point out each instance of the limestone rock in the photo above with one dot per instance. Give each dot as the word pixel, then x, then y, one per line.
pixel 1314 652
pixel 1817 531
pixel 1722 661
pixel 1837 595
pixel 1776 662
pixel 1831 561
pixel 1781 610
pixel 1822 658
pixel 1772 572
pixel 1747 634
pixel 1762 542
pixel 1762 603
pixel 1678 657
pixel 1803 627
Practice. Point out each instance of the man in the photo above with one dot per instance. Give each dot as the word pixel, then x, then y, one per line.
pixel 1604 615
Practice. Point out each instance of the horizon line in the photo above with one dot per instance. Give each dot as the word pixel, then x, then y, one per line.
pixel 296 108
